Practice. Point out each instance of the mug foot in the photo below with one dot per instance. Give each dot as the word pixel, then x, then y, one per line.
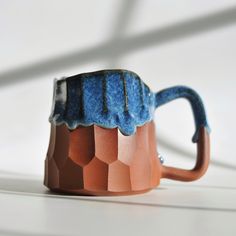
pixel 82 192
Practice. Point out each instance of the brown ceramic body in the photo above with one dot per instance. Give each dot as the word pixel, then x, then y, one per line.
pixel 99 161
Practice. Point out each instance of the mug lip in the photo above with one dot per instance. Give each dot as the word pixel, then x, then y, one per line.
pixel 99 72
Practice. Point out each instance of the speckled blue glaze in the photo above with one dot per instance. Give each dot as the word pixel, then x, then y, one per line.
pixel 114 98
pixel 196 103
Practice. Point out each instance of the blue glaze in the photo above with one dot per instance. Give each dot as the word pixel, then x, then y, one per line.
pixel 114 98
pixel 196 103
pixel 109 98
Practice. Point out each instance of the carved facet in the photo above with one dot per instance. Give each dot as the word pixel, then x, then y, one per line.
pixel 97 161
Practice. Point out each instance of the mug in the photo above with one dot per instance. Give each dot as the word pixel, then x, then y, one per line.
pixel 103 139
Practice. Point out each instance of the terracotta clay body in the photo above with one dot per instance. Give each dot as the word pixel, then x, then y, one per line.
pixel 98 161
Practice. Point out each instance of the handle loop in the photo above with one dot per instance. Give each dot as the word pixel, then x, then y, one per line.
pixel 201 136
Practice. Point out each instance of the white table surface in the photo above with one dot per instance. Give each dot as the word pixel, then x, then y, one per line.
pixel 27 208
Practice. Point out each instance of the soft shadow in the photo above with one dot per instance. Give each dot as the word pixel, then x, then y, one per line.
pixel 21 185
pixel 186 185
pixel 34 188
pixel 122 46
pixel 119 27
pixel 11 232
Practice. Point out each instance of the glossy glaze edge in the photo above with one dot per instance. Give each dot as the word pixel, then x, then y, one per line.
pixel 107 98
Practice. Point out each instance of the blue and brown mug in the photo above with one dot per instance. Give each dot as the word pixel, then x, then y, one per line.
pixel 103 139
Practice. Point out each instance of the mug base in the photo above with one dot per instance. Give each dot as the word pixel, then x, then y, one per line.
pixel 82 192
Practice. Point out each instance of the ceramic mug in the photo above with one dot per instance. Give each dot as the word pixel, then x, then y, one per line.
pixel 103 139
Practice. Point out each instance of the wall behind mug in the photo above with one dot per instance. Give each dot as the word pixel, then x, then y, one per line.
pixel 166 42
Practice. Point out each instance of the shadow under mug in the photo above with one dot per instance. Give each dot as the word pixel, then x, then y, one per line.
pixel 103 139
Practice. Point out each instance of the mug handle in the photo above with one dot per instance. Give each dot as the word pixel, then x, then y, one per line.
pixel 201 136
